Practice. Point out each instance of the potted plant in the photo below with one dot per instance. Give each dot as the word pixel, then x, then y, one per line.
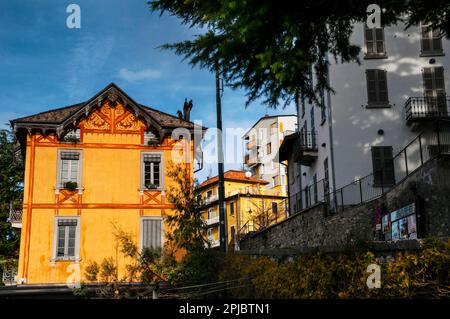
pixel 153 142
pixel 151 186
pixel 71 139
pixel 71 186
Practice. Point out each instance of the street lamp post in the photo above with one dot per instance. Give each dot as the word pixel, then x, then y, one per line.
pixel 222 215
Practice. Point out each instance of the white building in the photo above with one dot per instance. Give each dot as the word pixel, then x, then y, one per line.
pixel 397 91
pixel 261 144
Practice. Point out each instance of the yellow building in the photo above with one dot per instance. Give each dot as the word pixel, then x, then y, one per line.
pixel 92 168
pixel 249 205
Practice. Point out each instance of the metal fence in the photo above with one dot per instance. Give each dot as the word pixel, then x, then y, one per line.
pixel 425 147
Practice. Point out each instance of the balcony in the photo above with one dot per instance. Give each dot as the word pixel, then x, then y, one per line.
pixel 251 144
pixel 210 199
pixel 212 221
pixel 214 243
pixel 15 218
pixel 251 160
pixel 422 109
pixel 9 277
pixel 306 147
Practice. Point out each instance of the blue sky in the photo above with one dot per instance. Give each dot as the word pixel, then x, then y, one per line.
pixel 44 64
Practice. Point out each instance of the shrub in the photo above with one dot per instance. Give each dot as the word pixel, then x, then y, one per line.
pixel 424 274
pixel 72 186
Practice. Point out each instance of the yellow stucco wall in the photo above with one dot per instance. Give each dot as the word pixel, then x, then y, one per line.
pixel 111 196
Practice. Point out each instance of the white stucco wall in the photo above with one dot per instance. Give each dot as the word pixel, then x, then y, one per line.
pixel 354 126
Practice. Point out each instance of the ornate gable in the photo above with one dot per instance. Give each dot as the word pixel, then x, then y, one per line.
pixel 113 119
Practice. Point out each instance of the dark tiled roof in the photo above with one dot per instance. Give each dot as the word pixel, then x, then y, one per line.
pixel 54 116
pixel 233 175
pixel 57 116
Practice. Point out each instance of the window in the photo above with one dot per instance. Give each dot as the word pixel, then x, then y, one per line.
pixel 152 232
pixel 274 181
pixel 69 169
pixel 209 233
pixel 323 114
pixel 66 238
pixel 377 92
pixel 273 128
pixel 283 179
pixel 269 148
pixel 303 105
pixel 232 208
pixel 434 90
pixel 209 194
pixel 375 47
pixel 431 40
pixel 316 195
pixel 211 214
pixel 433 80
pixel 383 168
pixel 326 184
pixel 151 171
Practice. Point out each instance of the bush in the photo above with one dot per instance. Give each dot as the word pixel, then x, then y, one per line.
pixel 424 274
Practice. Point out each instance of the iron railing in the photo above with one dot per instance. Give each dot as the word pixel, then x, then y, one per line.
pixel 308 140
pixel 425 147
pixel 427 108
pixel 15 216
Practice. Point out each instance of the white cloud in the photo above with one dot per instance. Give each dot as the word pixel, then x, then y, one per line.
pixel 132 76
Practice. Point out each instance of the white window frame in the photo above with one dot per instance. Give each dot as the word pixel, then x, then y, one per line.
pixel 433 51
pixel 141 230
pixel 161 171
pixel 374 55
pixel 76 256
pixel 59 168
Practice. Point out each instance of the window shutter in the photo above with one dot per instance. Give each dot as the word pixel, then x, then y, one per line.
pixel 371 86
pixel 426 44
pixel 379 36
pixel 152 158
pixel 152 231
pixel 369 41
pixel 70 156
pixel 377 91
pixel 439 78
pixel 382 86
pixel 437 40
pixel 383 170
pixel 67 222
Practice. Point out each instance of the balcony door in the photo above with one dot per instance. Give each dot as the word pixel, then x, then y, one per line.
pixel 434 91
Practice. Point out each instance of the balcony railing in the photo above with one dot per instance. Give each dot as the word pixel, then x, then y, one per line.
pixel 212 220
pixel 422 149
pixel 427 108
pixel 251 160
pixel 213 243
pixel 306 147
pixel 308 140
pixel 15 218
pixel 211 199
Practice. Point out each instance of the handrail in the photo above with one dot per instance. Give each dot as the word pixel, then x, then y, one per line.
pixel 377 183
